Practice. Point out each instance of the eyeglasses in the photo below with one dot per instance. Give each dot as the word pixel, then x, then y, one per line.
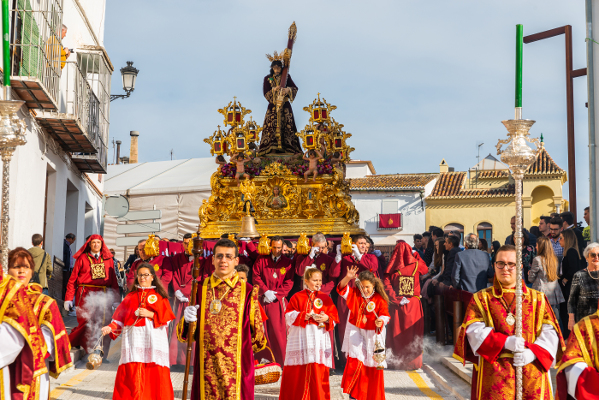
pixel 143 275
pixel 553 230
pixel 593 255
pixel 229 257
pixel 502 265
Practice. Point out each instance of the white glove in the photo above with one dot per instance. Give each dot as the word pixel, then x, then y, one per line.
pixel 68 305
pixel 180 297
pixel 191 313
pixel 404 301
pixel 524 358
pixel 338 256
pixel 356 252
pixel 314 251
pixel 515 344
pixel 270 295
pixel 377 252
pixel 245 239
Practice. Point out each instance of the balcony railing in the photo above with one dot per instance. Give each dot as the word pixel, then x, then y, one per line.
pixel 36 50
pixel 81 127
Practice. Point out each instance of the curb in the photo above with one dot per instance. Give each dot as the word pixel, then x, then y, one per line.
pixel 442 382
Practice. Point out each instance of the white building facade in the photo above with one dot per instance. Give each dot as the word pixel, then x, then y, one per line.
pixel 399 195
pixel 57 177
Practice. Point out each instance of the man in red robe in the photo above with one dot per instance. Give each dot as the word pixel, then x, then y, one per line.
pixel 229 330
pixel 162 266
pixel 182 282
pixel 406 328
pixel 247 256
pixel 23 350
pixel 364 262
pixel 487 337
pixel 578 372
pixel 273 274
pixel 94 280
pixel 325 263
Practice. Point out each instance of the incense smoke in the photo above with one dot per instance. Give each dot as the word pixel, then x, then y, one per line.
pixel 98 313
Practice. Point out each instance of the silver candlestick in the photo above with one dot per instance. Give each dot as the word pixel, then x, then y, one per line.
pixel 12 134
pixel 518 156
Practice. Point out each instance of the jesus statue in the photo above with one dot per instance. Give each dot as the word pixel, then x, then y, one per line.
pixel 284 140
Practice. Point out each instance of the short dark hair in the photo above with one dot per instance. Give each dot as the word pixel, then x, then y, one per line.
pixel 358 237
pixel 556 221
pixel 568 217
pixel 276 239
pixel 438 232
pixel 174 240
pixel 70 236
pixel 187 236
pixel 287 243
pixel 426 234
pixel 546 219
pixel 454 240
pixel 242 268
pixel 505 247
pixel 417 236
pixel 227 243
pixel 37 239
pixel 587 208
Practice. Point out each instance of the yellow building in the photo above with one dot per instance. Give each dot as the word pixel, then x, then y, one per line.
pixel 482 200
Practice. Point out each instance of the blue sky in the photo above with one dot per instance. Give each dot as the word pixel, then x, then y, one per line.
pixel 414 81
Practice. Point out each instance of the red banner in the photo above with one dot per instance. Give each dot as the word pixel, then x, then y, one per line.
pixel 390 221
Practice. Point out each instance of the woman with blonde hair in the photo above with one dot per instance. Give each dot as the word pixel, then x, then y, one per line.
pixel 543 274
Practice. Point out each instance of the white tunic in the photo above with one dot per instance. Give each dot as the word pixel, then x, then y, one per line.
pixel 144 344
pixel 359 343
pixel 307 345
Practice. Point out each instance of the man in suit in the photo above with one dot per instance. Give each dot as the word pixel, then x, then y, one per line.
pixel 452 245
pixel 472 267
pixel 67 258
pixel 569 223
pixel 531 238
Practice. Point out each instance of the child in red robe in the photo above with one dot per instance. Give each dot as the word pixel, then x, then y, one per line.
pixel 142 318
pixel 365 329
pixel 309 316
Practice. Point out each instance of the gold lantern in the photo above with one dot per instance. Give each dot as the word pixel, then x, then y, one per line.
pixel 234 113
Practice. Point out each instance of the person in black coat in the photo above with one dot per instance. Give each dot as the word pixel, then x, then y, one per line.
pixel 571 263
pixel 569 223
pixel 67 255
pixel 452 245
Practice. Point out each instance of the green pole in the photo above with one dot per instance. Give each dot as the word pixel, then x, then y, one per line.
pixel 519 45
pixel 5 44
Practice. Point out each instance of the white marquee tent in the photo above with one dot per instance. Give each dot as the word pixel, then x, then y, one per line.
pixel 175 187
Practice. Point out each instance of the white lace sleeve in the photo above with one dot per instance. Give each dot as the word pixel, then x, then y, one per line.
pixel 290 317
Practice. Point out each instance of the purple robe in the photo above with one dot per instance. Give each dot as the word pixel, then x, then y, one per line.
pixel 269 142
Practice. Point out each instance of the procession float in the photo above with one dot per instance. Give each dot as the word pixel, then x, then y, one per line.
pixel 278 180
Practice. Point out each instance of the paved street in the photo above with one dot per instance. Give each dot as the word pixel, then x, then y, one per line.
pixel 79 383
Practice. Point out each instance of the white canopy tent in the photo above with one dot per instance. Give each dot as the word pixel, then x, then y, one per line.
pixel 175 187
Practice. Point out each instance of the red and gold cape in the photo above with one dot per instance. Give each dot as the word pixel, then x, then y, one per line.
pixel 48 314
pixel 16 311
pixel 494 375
pixel 226 341
pixel 582 347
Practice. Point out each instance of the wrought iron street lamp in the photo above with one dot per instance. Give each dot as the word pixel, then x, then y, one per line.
pixel 129 75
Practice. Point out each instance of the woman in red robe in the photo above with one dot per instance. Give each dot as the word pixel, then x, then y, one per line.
pixel 406 330
pixel 142 318
pixel 310 315
pixel 365 330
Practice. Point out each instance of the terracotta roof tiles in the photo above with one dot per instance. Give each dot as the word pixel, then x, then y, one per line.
pixel 392 182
